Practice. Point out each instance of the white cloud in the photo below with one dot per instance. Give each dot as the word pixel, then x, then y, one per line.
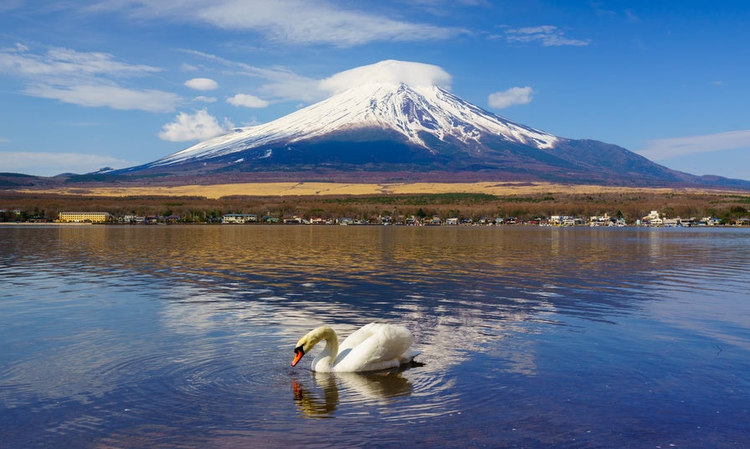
pixel 285 85
pixel 9 5
pixel 63 62
pixel 291 87
pixel 202 84
pixel 85 79
pixel 389 71
pixel 51 164
pixel 111 96
pixel 661 149
pixel 204 99
pixel 547 35
pixel 510 97
pixel 198 126
pixel 252 122
pixel 631 16
pixel 4 140
pixel 295 21
pixel 248 101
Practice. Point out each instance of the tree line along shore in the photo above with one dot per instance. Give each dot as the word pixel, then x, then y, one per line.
pixel 729 208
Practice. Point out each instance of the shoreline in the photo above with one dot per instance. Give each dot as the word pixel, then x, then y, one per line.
pixel 25 223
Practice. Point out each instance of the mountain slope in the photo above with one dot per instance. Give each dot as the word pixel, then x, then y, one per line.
pixel 418 115
pixel 425 131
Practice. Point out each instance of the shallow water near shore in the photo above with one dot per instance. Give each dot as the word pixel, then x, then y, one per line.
pixel 182 336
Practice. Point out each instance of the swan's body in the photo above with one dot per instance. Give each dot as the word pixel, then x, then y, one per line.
pixel 374 347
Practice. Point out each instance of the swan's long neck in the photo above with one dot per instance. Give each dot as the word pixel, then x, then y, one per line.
pixel 332 342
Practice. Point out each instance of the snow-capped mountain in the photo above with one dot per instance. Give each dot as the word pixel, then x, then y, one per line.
pixel 419 115
pixel 423 130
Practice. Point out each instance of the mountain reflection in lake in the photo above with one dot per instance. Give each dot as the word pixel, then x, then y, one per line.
pixel 182 336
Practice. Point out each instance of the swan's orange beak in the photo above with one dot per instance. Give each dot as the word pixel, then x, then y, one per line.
pixel 298 353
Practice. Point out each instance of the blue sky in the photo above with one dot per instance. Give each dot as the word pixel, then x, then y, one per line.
pixel 86 84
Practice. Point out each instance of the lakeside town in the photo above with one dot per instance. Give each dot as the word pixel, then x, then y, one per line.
pixel 653 219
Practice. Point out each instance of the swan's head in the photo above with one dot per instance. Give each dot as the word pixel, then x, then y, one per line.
pixel 306 343
pixel 299 351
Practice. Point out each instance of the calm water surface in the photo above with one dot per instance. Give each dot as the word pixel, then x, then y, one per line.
pixel 171 336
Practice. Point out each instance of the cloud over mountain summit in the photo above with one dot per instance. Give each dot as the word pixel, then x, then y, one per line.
pixel 390 71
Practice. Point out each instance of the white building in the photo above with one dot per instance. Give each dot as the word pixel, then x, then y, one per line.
pixel 600 220
pixel 709 221
pixel 83 217
pixel 239 218
pixel 653 219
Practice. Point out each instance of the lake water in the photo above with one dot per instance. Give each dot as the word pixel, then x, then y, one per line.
pixel 182 336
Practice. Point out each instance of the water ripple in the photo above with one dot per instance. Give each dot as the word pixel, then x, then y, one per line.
pixel 182 336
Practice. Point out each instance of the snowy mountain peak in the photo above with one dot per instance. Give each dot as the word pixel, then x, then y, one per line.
pixel 398 121
pixel 416 112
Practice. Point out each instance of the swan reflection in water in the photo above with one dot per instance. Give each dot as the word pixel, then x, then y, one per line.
pixel 332 389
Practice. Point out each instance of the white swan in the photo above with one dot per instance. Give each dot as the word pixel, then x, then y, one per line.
pixel 374 347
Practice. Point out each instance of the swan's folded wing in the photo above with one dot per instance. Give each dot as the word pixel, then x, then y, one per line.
pixel 374 347
pixel 358 336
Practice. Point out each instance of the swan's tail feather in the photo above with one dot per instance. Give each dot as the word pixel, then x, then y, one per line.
pixel 408 356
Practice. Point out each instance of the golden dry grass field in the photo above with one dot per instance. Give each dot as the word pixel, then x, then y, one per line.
pixel 338 189
pixel 197 203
